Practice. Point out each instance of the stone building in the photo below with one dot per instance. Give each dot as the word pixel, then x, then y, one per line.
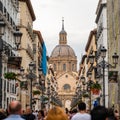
pixel 113 18
pixel 87 73
pixel 101 21
pixel 27 17
pixel 64 63
pixel 9 57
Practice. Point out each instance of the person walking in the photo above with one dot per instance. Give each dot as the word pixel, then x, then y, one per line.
pixel 116 113
pixel 15 111
pixel 81 115
pixel 35 113
pixel 41 115
pixel 73 112
pixel 99 113
pixel 28 115
pixel 56 113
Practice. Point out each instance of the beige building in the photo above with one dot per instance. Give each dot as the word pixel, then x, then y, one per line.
pixel 27 16
pixel 113 25
pixel 64 63
pixel 85 69
pixel 37 50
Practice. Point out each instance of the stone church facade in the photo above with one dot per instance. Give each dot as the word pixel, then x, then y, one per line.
pixel 64 62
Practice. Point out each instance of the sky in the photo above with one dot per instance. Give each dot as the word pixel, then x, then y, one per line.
pixel 79 20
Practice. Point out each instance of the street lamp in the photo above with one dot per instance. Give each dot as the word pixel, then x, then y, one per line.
pixel 31 68
pixel 103 55
pixel 18 36
pixel 103 64
pixel 115 59
pixel 22 71
pixel 103 52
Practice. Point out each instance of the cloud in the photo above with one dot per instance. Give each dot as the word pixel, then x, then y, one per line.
pixel 79 18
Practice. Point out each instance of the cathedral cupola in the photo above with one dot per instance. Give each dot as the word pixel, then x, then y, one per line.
pixel 62 35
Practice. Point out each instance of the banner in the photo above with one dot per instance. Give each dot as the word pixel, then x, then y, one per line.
pixel 44 59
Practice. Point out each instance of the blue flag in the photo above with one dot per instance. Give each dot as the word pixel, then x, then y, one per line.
pixel 44 59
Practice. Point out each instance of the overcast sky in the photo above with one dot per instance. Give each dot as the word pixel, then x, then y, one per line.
pixel 79 20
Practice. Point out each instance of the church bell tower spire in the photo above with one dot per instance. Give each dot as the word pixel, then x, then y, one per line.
pixel 62 23
pixel 62 34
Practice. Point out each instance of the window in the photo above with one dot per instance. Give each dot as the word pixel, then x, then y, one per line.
pixel 67 87
pixel 64 67
pixel 58 65
pixel 72 67
pixel 7 86
pixel 55 67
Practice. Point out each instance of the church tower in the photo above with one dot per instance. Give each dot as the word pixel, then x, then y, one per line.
pixel 64 62
pixel 62 35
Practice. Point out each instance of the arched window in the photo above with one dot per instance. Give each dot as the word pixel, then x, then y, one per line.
pixel 64 67
pixel 73 67
pixel 55 67
pixel 67 87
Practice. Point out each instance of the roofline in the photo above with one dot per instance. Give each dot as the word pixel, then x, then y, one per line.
pixel 93 32
pixel 39 35
pixel 83 58
pixel 99 10
pixel 30 8
pixel 81 63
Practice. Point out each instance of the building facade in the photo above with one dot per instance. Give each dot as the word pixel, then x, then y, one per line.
pixel 9 57
pixel 113 18
pixel 86 68
pixel 64 63
pixel 27 17
pixel 101 21
pixel 37 50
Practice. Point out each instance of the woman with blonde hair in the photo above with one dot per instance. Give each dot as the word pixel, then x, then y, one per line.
pixel 56 113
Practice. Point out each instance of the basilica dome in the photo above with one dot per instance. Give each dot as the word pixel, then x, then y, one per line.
pixel 63 51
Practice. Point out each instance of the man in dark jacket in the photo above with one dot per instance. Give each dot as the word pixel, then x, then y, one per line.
pixel 28 115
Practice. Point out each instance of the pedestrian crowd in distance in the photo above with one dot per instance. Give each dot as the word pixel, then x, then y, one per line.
pixel 14 112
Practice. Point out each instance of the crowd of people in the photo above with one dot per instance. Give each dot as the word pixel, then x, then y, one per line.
pixel 15 112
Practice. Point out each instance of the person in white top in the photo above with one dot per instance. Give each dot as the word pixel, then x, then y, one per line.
pixel 36 114
pixel 81 115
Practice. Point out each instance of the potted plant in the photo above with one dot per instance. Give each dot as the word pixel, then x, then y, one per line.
pixel 45 98
pixel 85 95
pixel 95 88
pixel 36 92
pixel 10 75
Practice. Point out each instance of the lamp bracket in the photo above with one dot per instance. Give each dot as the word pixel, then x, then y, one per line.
pixel 105 65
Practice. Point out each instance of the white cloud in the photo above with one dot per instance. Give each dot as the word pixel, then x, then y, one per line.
pixel 79 18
